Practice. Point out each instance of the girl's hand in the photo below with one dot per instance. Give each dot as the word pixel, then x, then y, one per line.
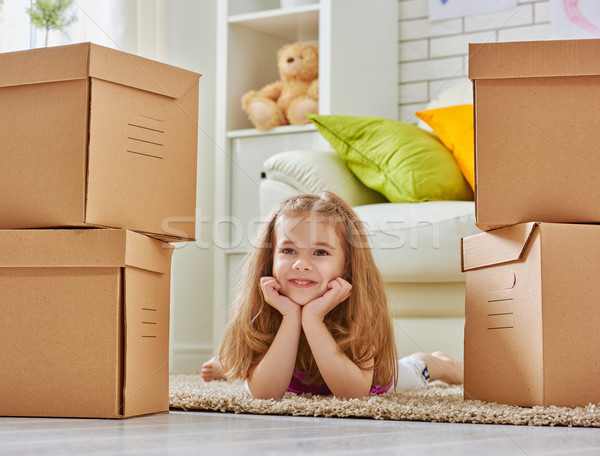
pixel 270 289
pixel 339 290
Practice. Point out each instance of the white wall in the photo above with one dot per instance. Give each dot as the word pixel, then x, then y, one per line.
pixel 193 46
pixel 433 55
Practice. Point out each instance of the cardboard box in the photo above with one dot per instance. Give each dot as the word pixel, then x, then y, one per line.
pixel 532 319
pixel 537 130
pixel 85 323
pixel 94 136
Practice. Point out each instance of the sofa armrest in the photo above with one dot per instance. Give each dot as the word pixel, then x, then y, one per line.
pixel 271 192
pixel 309 171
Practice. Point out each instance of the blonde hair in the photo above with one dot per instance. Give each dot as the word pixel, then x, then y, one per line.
pixel 361 325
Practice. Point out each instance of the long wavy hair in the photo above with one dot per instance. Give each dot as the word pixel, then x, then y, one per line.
pixel 361 325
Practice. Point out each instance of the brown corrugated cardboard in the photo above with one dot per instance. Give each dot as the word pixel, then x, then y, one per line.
pixel 94 136
pixel 85 323
pixel 531 331
pixel 537 129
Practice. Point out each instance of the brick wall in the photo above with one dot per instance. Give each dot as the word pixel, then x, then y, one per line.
pixel 433 55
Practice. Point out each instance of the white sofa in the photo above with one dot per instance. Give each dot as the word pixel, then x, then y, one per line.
pixel 415 245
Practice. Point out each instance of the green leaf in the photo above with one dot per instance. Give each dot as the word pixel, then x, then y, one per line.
pixel 51 14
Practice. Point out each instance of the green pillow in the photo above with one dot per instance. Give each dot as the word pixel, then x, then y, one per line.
pixel 403 162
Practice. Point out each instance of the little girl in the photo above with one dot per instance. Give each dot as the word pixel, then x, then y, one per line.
pixel 311 313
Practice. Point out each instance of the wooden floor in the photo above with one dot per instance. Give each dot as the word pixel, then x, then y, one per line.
pixel 183 433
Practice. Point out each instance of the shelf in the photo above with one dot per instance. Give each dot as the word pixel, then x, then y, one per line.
pixel 274 15
pixel 283 130
pixel 300 23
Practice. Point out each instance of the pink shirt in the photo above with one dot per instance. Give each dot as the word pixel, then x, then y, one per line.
pixel 299 385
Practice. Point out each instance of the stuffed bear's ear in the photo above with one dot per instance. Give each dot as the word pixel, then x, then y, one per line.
pixel 310 51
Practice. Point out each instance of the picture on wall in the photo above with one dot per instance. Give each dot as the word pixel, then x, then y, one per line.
pixel 448 9
pixel 575 19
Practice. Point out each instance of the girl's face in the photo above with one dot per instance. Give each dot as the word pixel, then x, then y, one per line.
pixel 308 254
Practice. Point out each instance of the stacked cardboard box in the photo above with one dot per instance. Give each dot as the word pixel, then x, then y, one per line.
pixel 532 318
pixel 98 171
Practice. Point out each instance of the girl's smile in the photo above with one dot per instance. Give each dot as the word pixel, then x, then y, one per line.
pixel 302 283
pixel 308 255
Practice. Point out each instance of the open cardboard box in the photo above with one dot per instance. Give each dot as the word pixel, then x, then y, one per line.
pixel 532 319
pixel 85 323
pixel 95 136
pixel 537 130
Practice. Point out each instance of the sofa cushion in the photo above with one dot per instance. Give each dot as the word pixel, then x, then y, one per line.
pixel 403 162
pixel 419 242
pixel 310 171
pixel 454 126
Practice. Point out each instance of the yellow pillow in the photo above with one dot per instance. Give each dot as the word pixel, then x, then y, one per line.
pixel 453 125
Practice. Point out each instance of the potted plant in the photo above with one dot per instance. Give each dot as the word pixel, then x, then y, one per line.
pixel 51 15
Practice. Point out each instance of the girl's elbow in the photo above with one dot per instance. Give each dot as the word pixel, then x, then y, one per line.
pixel 265 393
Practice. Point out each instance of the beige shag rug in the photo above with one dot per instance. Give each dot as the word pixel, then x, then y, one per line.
pixel 437 403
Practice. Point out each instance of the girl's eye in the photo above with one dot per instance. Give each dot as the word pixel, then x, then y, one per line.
pixel 288 251
pixel 321 252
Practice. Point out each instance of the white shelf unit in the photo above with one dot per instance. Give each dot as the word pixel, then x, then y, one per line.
pixel 358 75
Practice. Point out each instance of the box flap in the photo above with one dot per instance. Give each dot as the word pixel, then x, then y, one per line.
pixel 78 61
pixel 134 71
pixel 534 59
pixel 147 253
pixel 60 63
pixel 62 248
pixel 83 248
pixel 496 247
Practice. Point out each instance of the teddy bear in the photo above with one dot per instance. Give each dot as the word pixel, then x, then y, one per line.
pixel 288 100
